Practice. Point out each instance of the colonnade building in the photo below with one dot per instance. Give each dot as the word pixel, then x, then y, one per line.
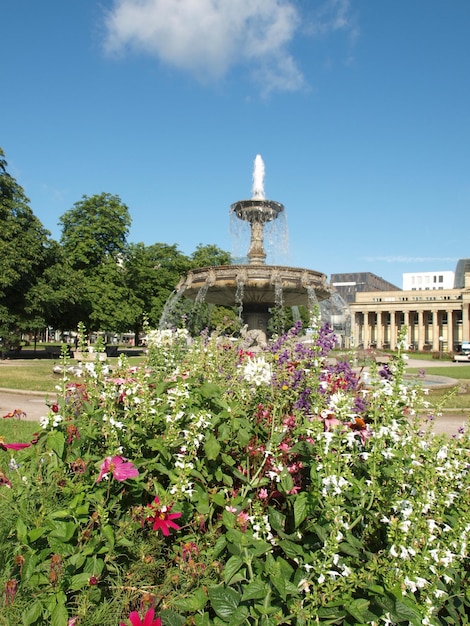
pixel 436 319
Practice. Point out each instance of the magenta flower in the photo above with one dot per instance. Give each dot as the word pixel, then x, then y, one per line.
pixel 162 518
pixel 14 446
pixel 119 468
pixel 147 621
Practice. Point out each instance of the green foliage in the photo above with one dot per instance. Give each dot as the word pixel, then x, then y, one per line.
pixel 95 228
pixel 25 252
pixel 209 256
pixel 271 489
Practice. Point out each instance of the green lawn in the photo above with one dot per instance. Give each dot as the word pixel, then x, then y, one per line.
pixel 462 372
pixel 17 431
pixel 37 374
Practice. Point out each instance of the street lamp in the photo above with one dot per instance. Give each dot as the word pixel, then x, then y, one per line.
pixel 441 348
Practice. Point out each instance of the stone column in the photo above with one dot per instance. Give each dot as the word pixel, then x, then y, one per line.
pixel 407 321
pixel 366 331
pixel 356 329
pixel 450 330
pixel 436 330
pixel 420 330
pixel 393 329
pixel 379 337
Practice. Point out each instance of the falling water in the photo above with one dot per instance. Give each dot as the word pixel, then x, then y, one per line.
pixel 336 312
pixel 239 295
pixel 171 306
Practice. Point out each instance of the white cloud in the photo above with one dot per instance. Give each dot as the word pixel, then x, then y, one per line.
pixel 208 38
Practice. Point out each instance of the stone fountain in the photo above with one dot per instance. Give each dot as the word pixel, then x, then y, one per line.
pixel 255 288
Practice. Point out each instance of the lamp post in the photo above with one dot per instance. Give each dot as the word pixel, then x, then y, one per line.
pixel 441 347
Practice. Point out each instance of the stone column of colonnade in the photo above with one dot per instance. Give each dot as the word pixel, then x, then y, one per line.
pixel 421 337
pixel 450 330
pixel 379 332
pixel 366 330
pixel 436 330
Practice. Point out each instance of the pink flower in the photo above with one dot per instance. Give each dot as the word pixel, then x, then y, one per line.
pixel 329 420
pixel 118 467
pixel 147 621
pixel 14 446
pixel 162 518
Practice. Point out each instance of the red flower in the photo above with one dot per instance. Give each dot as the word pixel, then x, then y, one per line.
pixel 147 621
pixel 16 414
pixel 4 480
pixel 118 467
pixel 14 446
pixel 162 518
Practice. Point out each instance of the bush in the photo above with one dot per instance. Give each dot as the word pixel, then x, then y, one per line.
pixel 223 487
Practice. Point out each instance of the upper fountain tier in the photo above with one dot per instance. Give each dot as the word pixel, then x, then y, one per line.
pixel 257 211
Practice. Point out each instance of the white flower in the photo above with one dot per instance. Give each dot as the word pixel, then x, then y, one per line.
pixel 257 371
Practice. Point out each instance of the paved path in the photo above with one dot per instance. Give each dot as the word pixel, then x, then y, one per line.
pixel 32 403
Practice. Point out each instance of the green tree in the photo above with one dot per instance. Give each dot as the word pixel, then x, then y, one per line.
pixel 210 255
pixel 25 253
pixel 94 242
pixel 152 273
pixel 95 228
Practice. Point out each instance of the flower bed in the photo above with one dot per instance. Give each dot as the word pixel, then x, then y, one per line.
pixel 215 486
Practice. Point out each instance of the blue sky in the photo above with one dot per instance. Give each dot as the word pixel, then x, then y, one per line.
pixel 360 110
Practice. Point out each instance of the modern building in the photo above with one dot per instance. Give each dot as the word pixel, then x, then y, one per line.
pixel 436 319
pixel 426 281
pixel 347 285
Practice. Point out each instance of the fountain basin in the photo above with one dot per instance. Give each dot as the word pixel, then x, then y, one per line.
pixel 264 285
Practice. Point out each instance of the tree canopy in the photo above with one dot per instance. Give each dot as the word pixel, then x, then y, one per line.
pixel 96 227
pixel 25 253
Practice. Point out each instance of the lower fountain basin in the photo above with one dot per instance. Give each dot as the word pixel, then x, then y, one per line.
pixel 265 285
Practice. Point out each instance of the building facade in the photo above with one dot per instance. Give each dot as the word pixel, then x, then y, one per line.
pixel 428 281
pixel 436 320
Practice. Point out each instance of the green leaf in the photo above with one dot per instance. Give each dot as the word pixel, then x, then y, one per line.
pixel 357 609
pixel 33 613
pixel 108 532
pixel 57 442
pixel 231 567
pixel 301 509
pixel 171 618
pixel 21 530
pixel 79 581
pixel 194 603
pixel 201 620
pixel 286 482
pixel 277 578
pixel 405 609
pixel 61 530
pixel 35 533
pixel 290 548
pixel 224 601
pixel 255 590
pixel 347 548
pixel 211 447
pixel 277 519
pixel 240 616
